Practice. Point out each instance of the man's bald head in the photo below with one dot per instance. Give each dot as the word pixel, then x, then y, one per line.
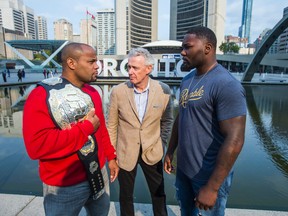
pixel 79 63
pixel 72 50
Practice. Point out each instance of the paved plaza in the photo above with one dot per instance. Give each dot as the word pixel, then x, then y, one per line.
pixel 21 205
pixel 29 77
pixel 38 76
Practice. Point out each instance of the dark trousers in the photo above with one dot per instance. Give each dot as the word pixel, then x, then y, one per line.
pixel 155 181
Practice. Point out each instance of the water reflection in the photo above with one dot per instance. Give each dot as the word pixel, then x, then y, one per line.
pixel 11 106
pixel 268 104
pixel 261 171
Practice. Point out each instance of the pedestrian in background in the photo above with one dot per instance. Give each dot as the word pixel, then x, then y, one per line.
pixel 4 75
pixel 19 74
pixel 23 73
pixel 45 73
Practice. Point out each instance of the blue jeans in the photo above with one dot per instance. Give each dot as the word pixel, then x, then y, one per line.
pixel 187 189
pixel 70 200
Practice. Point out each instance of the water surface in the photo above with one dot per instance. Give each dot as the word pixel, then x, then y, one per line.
pixel 261 171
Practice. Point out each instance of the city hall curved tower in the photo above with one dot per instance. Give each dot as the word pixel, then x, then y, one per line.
pixel 136 23
pixel 191 13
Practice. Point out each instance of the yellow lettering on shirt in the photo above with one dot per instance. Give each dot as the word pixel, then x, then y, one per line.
pixel 185 96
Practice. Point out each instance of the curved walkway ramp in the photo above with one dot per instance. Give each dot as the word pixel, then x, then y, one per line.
pixel 266 44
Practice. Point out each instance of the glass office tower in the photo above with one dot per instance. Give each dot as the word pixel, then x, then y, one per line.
pixel 244 29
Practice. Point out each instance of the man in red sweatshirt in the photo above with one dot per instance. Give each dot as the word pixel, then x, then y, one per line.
pixel 64 128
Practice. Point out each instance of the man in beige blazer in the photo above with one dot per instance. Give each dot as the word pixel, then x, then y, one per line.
pixel 139 124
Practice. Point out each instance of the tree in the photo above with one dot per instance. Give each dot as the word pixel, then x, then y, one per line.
pixel 230 47
pixel 40 57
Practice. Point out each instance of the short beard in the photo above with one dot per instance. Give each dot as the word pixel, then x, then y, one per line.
pixel 186 67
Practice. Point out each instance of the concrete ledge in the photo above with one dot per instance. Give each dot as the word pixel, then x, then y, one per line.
pixel 272 80
pixel 34 208
pixel 247 212
pixel 21 205
pixel 14 204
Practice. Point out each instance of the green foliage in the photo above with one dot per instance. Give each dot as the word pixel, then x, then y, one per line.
pixel 41 58
pixel 38 56
pixel 230 47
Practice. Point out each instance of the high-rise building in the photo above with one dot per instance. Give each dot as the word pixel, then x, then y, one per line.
pixel 88 31
pixel 105 20
pixel 14 15
pixel 136 23
pixel 191 13
pixel 280 45
pixel 244 29
pixel 63 30
pixel 76 38
pixel 8 53
pixel 283 39
pixel 264 34
pixel 41 28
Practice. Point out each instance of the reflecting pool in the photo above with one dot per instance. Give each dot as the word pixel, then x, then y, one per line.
pixel 261 171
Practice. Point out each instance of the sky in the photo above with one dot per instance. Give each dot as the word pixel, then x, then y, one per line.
pixel 265 14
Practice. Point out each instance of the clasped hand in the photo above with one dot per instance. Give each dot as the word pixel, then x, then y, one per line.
pixel 93 118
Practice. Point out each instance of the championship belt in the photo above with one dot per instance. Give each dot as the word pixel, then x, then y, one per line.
pixel 67 105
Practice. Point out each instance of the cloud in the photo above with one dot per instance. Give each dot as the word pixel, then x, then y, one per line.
pixel 93 6
pixel 233 17
pixel 266 16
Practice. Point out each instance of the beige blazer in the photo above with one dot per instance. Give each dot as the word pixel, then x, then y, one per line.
pixel 126 132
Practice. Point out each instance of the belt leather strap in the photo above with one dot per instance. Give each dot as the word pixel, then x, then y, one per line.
pixel 93 170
